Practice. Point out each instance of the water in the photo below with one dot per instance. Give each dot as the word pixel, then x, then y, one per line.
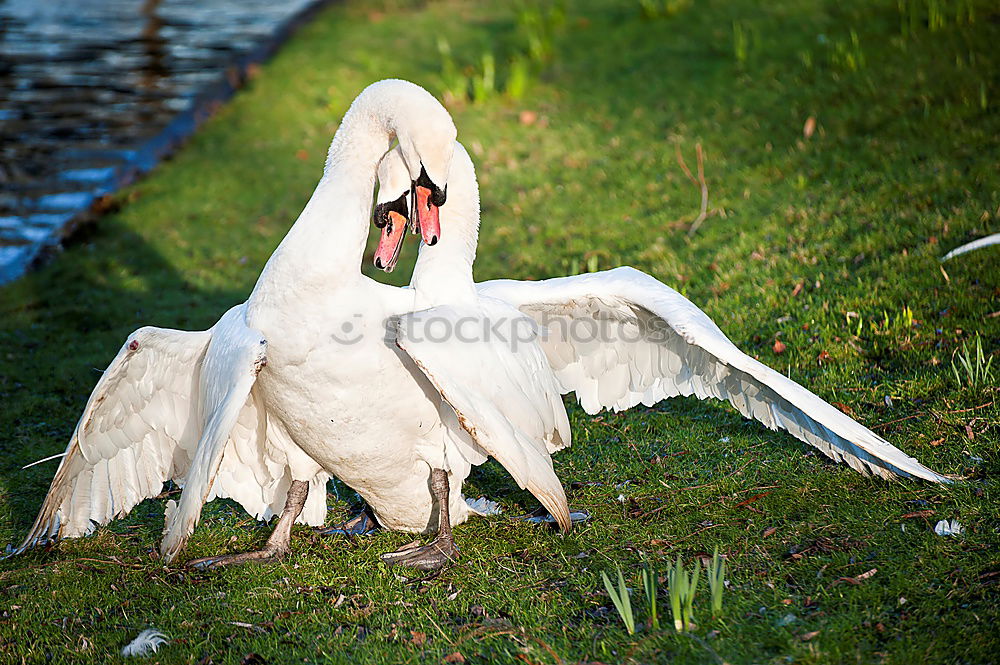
pixel 94 92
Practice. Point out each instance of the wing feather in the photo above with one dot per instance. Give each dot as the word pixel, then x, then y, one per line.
pixel 679 351
pixel 142 425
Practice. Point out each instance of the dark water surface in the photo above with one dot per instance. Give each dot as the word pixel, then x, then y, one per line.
pixel 94 92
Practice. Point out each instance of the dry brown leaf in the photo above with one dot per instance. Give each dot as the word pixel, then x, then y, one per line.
pixel 755 497
pixel 919 513
pixel 455 657
pixel 843 407
pixel 805 637
pixel 417 638
pixel 809 128
pixel 855 581
pixel 769 531
pixel 779 346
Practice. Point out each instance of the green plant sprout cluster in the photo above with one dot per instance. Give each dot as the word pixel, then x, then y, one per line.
pixel 682 589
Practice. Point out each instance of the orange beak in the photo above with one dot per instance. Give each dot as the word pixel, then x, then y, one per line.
pixel 428 224
pixel 390 242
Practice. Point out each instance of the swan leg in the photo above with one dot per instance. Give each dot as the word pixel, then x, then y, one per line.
pixel 359 525
pixel 442 550
pixel 278 545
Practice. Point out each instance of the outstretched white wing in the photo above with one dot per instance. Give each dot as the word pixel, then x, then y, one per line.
pixel 487 365
pixel 139 429
pixel 619 338
pixel 142 426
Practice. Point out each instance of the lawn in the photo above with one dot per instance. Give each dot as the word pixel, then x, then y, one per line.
pixel 847 145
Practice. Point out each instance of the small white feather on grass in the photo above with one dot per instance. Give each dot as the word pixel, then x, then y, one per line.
pixel 946 528
pixel 145 644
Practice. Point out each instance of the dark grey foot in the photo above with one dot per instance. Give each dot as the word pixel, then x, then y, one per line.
pixel 434 556
pixel 278 545
pixel 265 555
pixel 361 525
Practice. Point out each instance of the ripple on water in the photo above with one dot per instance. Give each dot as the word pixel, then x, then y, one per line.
pixel 93 96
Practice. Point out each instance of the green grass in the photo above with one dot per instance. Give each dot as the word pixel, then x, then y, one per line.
pixel 827 243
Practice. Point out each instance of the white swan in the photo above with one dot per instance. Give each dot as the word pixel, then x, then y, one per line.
pixel 620 338
pixel 337 396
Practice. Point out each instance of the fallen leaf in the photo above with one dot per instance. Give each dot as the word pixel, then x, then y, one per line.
pixel 855 580
pixel 805 637
pixel 779 346
pixel 969 433
pixel 301 154
pixel 809 128
pixel 769 531
pixel 919 513
pixel 417 638
pixel 755 497
pixel 527 118
pixel 823 356
pixel 865 576
pixel 455 657
pixel 797 290
pixel 843 407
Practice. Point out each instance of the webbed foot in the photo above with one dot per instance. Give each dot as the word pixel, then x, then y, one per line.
pixel 266 555
pixel 359 525
pixel 278 545
pixel 434 556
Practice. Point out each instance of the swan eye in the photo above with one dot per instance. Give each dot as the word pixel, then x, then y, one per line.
pixel 382 210
pixel 438 196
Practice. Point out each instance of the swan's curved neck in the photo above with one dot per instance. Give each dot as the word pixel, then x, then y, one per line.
pixel 325 245
pixel 443 273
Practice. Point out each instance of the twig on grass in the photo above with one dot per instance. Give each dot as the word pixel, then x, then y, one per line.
pixel 700 183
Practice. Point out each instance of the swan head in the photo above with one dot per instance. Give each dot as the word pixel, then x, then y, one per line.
pixel 392 208
pixel 395 200
pixel 426 136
